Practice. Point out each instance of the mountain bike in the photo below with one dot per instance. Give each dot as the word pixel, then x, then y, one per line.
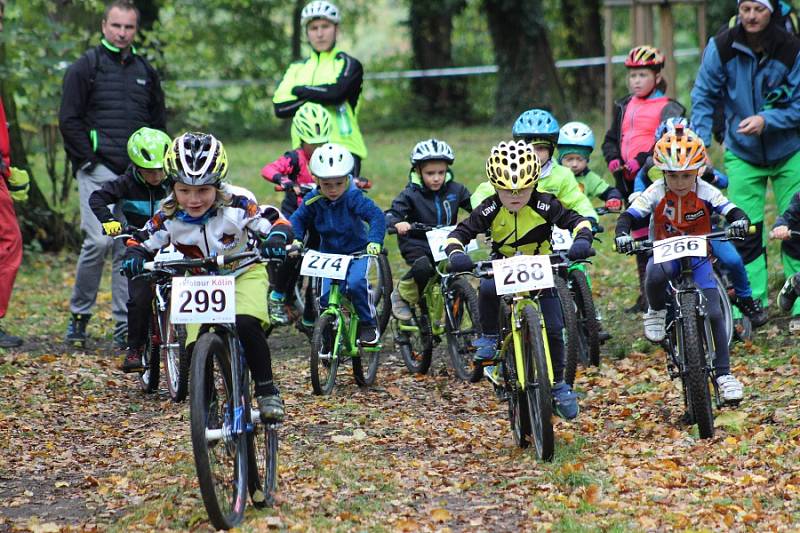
pixel 335 335
pixel 689 342
pixel 235 452
pixel 448 307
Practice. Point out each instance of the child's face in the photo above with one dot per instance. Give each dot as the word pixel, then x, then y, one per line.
pixel 195 200
pixel 309 148
pixel 542 152
pixel 433 174
pixel 575 162
pixel 680 182
pixel 333 188
pixel 642 81
pixel 515 200
pixel 321 34
pixel 153 176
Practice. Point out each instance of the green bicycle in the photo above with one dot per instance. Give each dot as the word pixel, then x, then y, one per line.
pixel 335 334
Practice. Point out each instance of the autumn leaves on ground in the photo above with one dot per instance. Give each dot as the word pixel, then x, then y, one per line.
pixel 84 449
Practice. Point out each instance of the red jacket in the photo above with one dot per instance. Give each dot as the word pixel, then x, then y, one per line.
pixel 292 165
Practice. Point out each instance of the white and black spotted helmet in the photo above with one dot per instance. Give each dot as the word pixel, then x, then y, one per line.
pixel 432 150
pixel 319 9
pixel 331 160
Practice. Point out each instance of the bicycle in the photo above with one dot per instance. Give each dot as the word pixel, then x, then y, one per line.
pixel 689 342
pixel 235 452
pixel 448 307
pixel 335 334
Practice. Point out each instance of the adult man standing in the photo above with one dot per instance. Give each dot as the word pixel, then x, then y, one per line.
pixel 328 77
pixel 753 71
pixel 109 93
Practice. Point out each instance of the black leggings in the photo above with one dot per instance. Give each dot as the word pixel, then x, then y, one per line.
pixel 256 352
pixel 140 296
pixel 489 307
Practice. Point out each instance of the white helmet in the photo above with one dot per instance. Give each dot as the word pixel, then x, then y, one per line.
pixel 319 9
pixel 432 150
pixel 576 134
pixel 331 161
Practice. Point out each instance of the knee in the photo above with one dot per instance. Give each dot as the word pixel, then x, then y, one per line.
pixel 247 325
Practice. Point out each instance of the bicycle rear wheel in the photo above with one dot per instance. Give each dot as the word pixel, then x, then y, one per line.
pixel 518 414
pixel 220 456
pixel 538 393
pixel 176 359
pixel 588 327
pixel 696 378
pixel 727 310
pixel 571 336
pixel 415 341
pixel 148 379
pixel 463 325
pixel 323 363
pixel 365 365
pixel 380 282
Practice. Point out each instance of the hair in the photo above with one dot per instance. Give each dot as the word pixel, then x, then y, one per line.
pixel 170 204
pixel 124 5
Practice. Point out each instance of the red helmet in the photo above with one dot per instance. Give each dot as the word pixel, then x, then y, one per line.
pixel 645 57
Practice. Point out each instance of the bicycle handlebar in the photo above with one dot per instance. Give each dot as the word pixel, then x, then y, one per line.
pixel 642 246
pixel 415 226
pixel 205 262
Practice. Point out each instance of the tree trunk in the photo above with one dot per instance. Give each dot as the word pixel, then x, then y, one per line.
pixel 298 31
pixel 527 74
pixel 431 31
pixel 583 26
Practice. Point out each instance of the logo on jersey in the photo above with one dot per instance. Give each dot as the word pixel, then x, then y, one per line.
pixel 690 217
pixel 228 241
pixel 540 205
pixel 488 210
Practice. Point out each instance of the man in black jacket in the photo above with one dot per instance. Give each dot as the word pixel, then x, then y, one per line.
pixel 108 93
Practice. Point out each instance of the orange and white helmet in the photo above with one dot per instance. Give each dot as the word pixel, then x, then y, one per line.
pixel 645 57
pixel 680 149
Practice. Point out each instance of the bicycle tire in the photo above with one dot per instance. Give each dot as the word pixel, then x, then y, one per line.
pixel 221 466
pixel 369 359
pixel 463 304
pixel 176 359
pixel 539 395
pixel 571 338
pixel 148 378
pixel 382 285
pixel 588 326
pixel 518 415
pixel 694 373
pixel 727 308
pixel 262 458
pixel 322 347
pixel 416 347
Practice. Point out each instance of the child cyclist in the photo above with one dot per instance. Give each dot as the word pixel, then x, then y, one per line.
pixel 520 219
pixel 682 204
pixel 630 139
pixel 782 230
pixel 137 193
pixel 202 220
pixel 431 197
pixel 337 210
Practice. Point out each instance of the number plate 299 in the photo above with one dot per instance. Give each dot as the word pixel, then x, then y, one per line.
pixel 522 273
pixel 203 300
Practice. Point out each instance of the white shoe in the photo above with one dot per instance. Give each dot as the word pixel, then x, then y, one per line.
pixel 655 325
pixel 730 388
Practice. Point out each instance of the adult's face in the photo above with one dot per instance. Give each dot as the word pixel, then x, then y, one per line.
pixel 754 16
pixel 120 27
pixel 321 34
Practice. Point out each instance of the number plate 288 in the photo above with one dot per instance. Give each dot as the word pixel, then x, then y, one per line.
pixel 522 273
pixel 203 300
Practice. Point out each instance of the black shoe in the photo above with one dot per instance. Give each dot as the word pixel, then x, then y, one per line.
pixel 368 335
pixel 271 407
pixel 603 336
pixel 752 309
pixel 788 294
pixel 76 329
pixel 9 341
pixel 132 361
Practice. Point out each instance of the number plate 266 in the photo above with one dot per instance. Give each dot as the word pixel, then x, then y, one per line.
pixel 522 273
pixel 203 300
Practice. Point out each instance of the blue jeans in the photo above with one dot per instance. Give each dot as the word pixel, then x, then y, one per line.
pixel 732 263
pixel 356 289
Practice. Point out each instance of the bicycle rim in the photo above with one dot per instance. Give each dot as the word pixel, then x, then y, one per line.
pixel 538 392
pixel 176 360
pixel 696 384
pixel 323 363
pixel 220 457
pixel 464 328
pixel 571 339
pixel 262 455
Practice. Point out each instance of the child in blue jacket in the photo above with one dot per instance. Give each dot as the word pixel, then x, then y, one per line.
pixel 338 211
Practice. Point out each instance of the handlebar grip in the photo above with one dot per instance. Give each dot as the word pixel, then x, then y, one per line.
pixel 752 230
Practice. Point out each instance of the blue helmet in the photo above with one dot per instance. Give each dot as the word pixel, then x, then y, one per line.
pixel 536 124
pixel 669 124
pixel 575 138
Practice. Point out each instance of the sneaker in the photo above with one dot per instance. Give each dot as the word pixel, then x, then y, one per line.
pixel 400 308
pixel 9 341
pixel 132 362
pixel 788 293
pixel 120 336
pixel 76 329
pixel 271 407
pixel 368 334
pixel 655 325
pixel 486 348
pixel 277 311
pixel 753 310
pixel 730 388
pixel 565 401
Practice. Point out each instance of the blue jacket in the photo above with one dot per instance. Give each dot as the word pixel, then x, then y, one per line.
pixel 341 223
pixel 732 74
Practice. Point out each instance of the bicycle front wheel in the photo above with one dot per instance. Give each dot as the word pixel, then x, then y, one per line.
pixel 588 327
pixel 148 378
pixel 463 326
pixel 571 336
pixel 220 455
pixel 537 384
pixel 176 359
pixel 323 363
pixel 694 374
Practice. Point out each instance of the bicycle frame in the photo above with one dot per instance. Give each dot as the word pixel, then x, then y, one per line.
pixel 339 306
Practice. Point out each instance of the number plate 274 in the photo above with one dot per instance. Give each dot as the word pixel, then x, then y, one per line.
pixel 203 300
pixel 522 273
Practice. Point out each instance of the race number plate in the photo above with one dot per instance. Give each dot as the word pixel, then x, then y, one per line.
pixel 437 239
pixel 562 239
pixel 203 300
pixel 677 247
pixel 319 265
pixel 522 273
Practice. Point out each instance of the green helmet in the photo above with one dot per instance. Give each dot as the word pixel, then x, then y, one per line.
pixel 146 147
pixel 312 123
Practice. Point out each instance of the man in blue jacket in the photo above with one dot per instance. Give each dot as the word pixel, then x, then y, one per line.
pixel 753 70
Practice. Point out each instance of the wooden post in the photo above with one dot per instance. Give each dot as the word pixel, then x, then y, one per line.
pixel 702 33
pixel 608 18
pixel 668 48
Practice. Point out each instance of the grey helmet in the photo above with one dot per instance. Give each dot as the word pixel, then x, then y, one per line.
pixel 196 159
